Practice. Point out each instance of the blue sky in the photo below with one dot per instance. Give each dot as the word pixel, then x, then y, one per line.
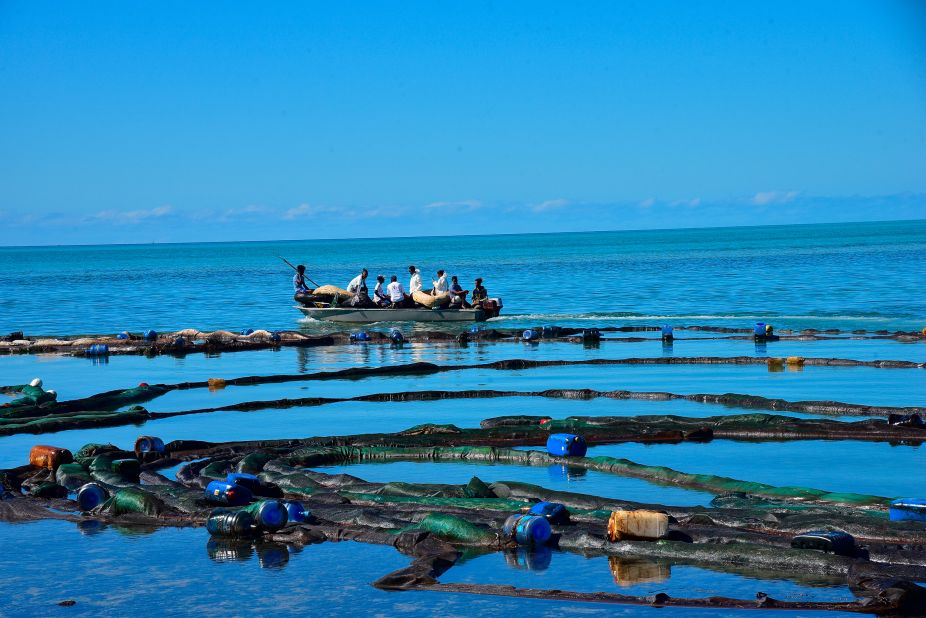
pixel 140 122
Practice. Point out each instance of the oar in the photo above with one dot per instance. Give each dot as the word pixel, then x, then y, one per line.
pixel 294 268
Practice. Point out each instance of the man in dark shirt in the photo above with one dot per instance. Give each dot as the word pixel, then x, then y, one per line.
pixel 479 293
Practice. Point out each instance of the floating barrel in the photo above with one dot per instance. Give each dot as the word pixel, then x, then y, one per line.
pixel 227 493
pixel 527 529
pixel 149 444
pixel 275 337
pixel 591 334
pixel 361 336
pixel 49 457
pixel 90 496
pixel 395 335
pixel 230 523
pixel 667 332
pixel 832 541
pixel 908 509
pixel 247 331
pixel 244 479
pixel 530 334
pixel 269 514
pixel 97 349
pixel 640 524
pixel 215 384
pixel 759 329
pixel 123 335
pixel 179 342
pixel 550 331
pixel 150 335
pixel 295 511
pixel 555 512
pixel 566 445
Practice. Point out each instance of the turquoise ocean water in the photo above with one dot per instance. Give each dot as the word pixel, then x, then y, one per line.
pixel 848 276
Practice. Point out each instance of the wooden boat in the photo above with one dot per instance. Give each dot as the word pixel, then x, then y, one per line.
pixel 311 308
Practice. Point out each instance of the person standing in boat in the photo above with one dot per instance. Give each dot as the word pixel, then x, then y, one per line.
pixel 380 297
pixel 299 285
pixel 397 296
pixel 479 293
pixel 358 287
pixel 440 284
pixel 414 284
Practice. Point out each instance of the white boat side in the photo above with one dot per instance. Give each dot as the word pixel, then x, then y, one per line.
pixel 350 314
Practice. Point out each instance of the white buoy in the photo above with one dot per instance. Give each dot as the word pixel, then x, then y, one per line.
pixel 36 382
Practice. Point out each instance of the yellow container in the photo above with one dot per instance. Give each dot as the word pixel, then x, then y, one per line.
pixel 640 525
pixel 776 364
pixel 796 360
pixel 216 384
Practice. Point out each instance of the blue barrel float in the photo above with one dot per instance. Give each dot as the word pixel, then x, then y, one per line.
pixel 667 333
pixel 527 529
pixel 227 493
pixel 269 514
pixel 90 496
pixel 359 337
pixel 550 331
pixel 296 511
pixel 150 335
pixel 395 335
pixel 124 335
pixel 555 512
pixel 97 349
pixel 247 331
pixel 531 334
pixel 591 334
pixel 566 445
pixel 908 509
pixel 275 337
pixel 149 444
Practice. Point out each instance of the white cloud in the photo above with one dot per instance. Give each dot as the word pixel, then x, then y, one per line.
pixel 647 203
pixel 455 205
pixel 550 205
pixel 774 197
pixel 308 210
pixel 131 217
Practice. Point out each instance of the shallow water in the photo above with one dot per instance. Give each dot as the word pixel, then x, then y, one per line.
pixel 560 478
pixel 122 571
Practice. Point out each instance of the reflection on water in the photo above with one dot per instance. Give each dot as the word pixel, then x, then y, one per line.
pixel 631 571
pixel 270 555
pixel 529 558
pixel 565 472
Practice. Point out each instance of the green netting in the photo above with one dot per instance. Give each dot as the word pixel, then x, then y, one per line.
pixel 455 529
pixel 253 463
pixel 497 504
pixel 69 420
pixel 47 490
pixel 87 452
pixel 72 475
pixel 133 500
pixel 477 489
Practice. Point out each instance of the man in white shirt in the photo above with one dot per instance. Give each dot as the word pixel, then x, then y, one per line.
pixel 357 282
pixel 379 295
pixel 440 285
pixel 414 284
pixel 358 287
pixel 396 293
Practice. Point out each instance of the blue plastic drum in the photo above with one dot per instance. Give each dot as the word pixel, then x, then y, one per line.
pixel 90 496
pixel 296 511
pixel 527 529
pixel 221 492
pixel 271 514
pixel 566 445
pixel 555 512
pixel 150 335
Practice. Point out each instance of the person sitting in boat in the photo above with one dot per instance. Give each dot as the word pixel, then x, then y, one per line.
pixel 358 287
pixel 440 284
pixel 414 284
pixel 397 296
pixel 479 293
pixel 457 293
pixel 380 298
pixel 299 285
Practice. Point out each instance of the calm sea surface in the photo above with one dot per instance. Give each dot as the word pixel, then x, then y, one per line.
pixel 849 276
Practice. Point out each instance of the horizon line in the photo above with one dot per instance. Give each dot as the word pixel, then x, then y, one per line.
pixel 276 240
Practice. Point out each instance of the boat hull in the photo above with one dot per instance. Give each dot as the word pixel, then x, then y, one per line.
pixel 350 314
